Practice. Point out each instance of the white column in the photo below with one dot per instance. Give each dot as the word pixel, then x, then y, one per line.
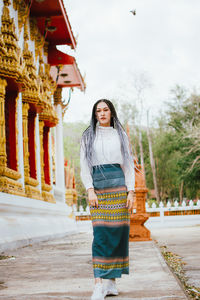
pixel 37 147
pixel 20 139
pixel 59 155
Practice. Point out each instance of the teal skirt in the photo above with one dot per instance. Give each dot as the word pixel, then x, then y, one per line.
pixel 111 221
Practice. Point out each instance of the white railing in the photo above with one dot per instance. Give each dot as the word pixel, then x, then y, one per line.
pixel 160 210
pixel 176 207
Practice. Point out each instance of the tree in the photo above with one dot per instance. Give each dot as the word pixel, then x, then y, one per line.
pixel 152 161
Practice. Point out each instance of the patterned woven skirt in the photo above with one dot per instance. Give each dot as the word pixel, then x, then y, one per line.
pixel 110 222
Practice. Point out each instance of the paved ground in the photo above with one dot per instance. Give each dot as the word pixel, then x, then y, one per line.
pixel 62 269
pixel 185 242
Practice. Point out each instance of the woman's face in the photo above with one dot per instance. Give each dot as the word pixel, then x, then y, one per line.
pixel 103 114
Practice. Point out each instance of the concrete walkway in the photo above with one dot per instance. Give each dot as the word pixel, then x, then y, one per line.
pixel 185 242
pixel 62 269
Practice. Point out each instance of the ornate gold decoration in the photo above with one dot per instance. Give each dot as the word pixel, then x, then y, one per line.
pixel 48 114
pixel 23 12
pixel 36 36
pixel 2 48
pixel 10 173
pixel 47 196
pixel 8 185
pixel 38 93
pixel 32 93
pixel 33 192
pixel 11 60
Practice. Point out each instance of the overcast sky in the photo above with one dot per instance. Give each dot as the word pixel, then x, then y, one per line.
pixel 162 41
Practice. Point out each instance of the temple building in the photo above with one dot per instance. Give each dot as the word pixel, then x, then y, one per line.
pixel 34 190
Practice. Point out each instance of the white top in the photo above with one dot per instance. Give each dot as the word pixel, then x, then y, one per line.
pixel 107 150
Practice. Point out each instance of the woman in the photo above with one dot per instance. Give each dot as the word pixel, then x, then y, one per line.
pixel 107 172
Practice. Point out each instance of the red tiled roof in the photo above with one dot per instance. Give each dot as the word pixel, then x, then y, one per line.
pixel 64 69
pixel 52 15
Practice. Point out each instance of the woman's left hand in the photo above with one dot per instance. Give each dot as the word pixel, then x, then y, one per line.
pixel 130 204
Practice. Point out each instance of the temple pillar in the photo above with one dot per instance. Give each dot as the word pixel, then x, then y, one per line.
pixel 41 126
pixel 50 159
pixel 9 175
pixel 59 147
pixel 20 140
pixel 31 182
pixel 25 109
pixel 38 164
pixel 44 162
pixel 3 158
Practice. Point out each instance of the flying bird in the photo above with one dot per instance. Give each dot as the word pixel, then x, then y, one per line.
pixel 133 11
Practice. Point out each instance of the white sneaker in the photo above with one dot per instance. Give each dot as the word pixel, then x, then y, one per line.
pixel 98 292
pixel 110 288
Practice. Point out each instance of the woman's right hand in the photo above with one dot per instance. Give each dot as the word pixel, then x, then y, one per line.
pixel 92 197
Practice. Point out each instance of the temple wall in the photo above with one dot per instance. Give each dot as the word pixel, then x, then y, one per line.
pixel 32 209
pixel 25 221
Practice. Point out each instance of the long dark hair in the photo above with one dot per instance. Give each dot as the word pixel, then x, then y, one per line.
pixel 90 133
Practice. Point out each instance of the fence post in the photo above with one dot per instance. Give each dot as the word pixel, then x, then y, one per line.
pixel 161 209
